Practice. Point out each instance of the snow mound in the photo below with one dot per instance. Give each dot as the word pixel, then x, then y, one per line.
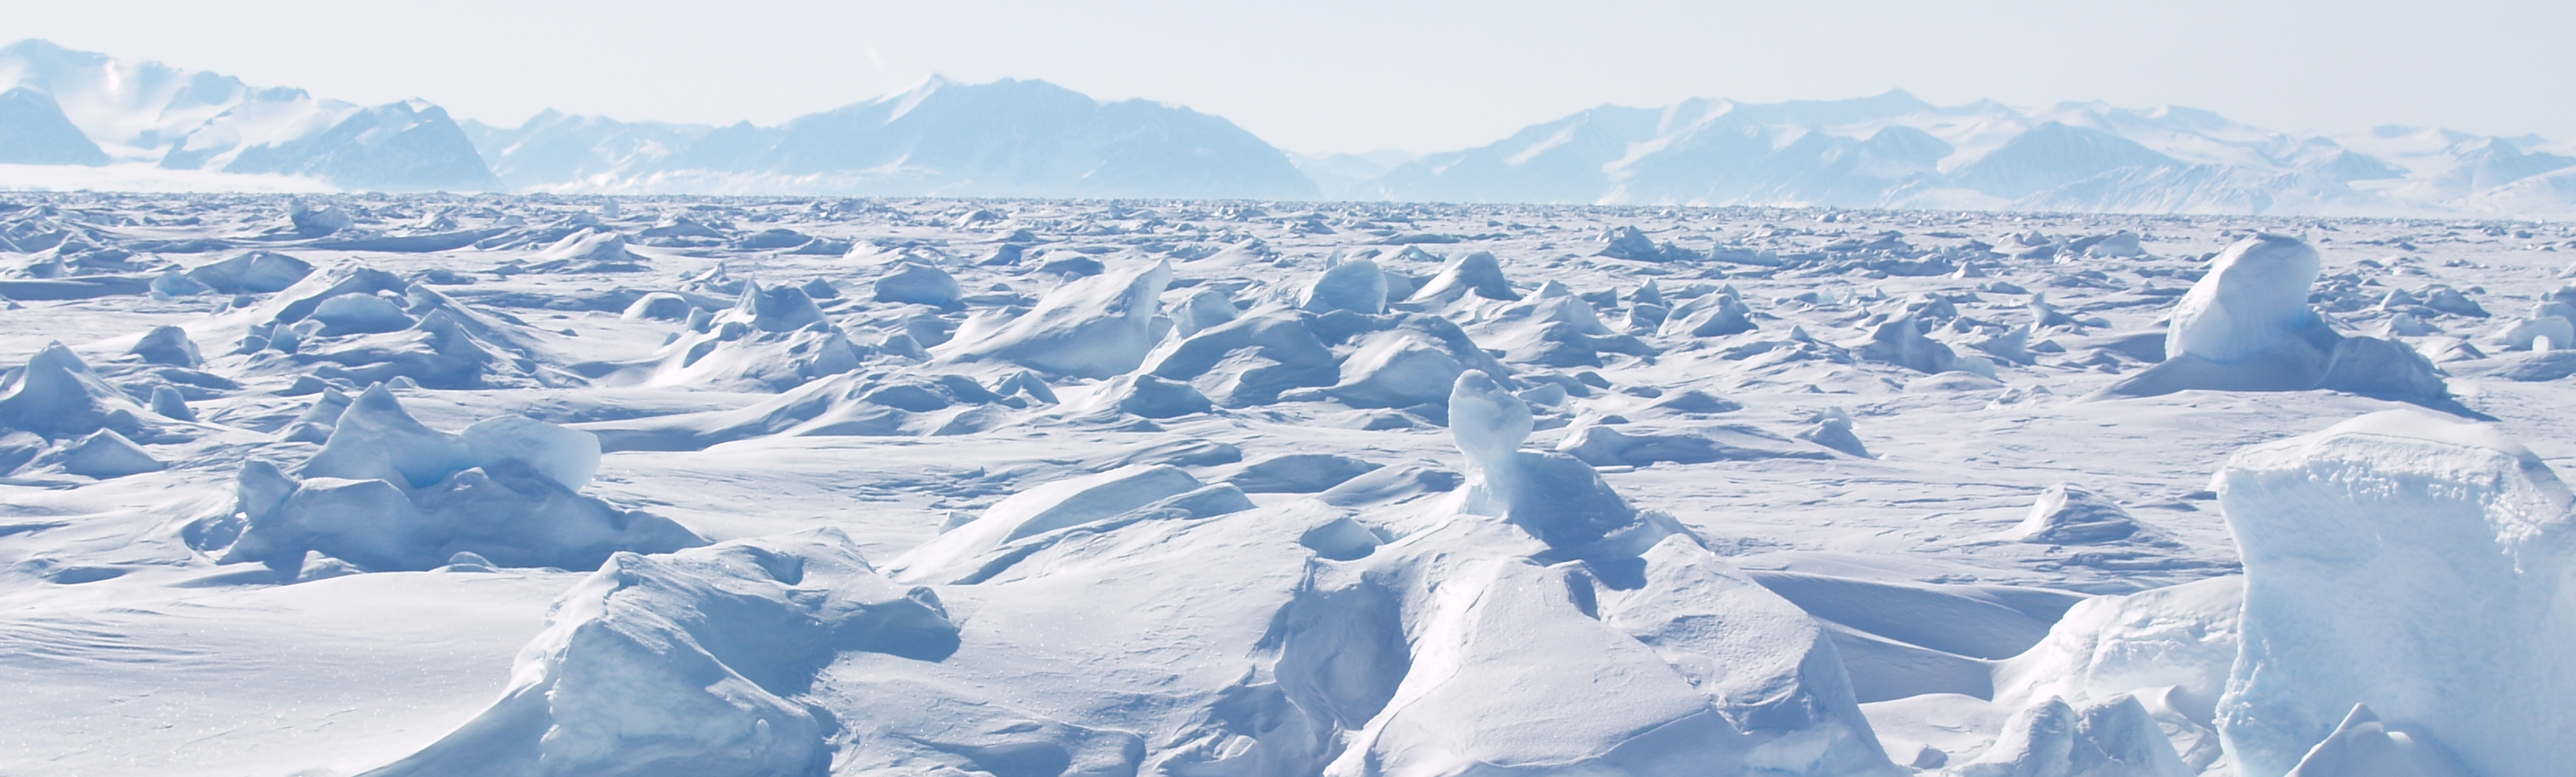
pixel 1715 314
pixel 1299 473
pixel 1415 361
pixel 588 250
pixel 1247 360
pixel 1150 396
pixel 1900 341
pixel 387 492
pixel 2067 515
pixel 1603 445
pixel 1095 327
pixel 256 272
pixel 692 663
pixel 1355 285
pixel 847 405
pixel 1554 328
pixel 918 284
pixel 2385 559
pixel 1478 274
pixel 1053 507
pixel 771 340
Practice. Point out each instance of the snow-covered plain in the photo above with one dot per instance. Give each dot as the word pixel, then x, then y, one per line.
pixel 428 485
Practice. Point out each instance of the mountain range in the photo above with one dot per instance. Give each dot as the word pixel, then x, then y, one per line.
pixel 1027 138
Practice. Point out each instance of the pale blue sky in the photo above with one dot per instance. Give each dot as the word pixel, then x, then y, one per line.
pixel 1345 75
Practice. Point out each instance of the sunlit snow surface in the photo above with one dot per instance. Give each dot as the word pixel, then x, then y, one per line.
pixel 1240 538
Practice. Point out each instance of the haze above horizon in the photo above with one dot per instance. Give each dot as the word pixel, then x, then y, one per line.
pixel 1341 76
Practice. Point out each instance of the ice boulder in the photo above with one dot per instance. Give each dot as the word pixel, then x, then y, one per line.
pixel 2413 565
pixel 173 283
pixel 316 220
pixel 692 663
pixel 167 345
pixel 919 284
pixel 375 439
pixel 57 396
pixel 1095 327
pixel 1203 309
pixel 1355 285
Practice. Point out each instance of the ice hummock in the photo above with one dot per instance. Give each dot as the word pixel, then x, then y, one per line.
pixel 387 492
pixel 2386 560
pixel 1095 327
pixel 2246 326
pixel 692 663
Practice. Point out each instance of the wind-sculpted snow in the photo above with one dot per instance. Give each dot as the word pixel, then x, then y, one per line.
pixel 2410 564
pixel 1240 488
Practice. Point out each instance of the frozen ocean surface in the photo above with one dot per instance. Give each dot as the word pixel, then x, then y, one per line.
pixel 439 484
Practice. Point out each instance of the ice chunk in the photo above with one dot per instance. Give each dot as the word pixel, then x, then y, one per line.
pixel 919 284
pixel 2253 298
pixel 2386 559
pixel 2363 746
pixel 1710 315
pixel 2521 334
pixel 167 403
pixel 105 454
pixel 167 345
pixel 1096 327
pixel 1836 432
pixel 173 283
pixel 374 439
pixel 1355 285
pixel 590 250
pixel 691 662
pixel 1900 341
pixel 2112 738
pixel 59 397
pixel 566 456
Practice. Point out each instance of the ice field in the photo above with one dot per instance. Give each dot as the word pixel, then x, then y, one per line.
pixel 556 485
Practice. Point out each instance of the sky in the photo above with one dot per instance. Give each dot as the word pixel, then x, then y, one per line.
pixel 1321 76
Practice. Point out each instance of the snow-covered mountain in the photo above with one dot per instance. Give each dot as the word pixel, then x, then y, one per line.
pixel 1008 138
pixel 1894 150
pixel 141 112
